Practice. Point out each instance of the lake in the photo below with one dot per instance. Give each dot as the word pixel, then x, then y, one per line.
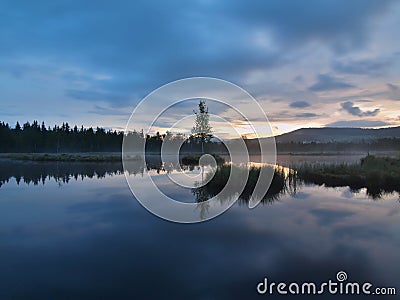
pixel 75 231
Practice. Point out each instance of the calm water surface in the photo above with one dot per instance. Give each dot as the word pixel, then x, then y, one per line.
pixel 74 231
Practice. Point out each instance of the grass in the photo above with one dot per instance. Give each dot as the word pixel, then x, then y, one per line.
pixel 377 174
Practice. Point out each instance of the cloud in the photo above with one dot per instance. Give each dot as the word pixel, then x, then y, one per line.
pixel 93 95
pixel 299 104
pixel 342 25
pixel 298 79
pixel 104 111
pixel 363 67
pixel 392 87
pixel 326 82
pixel 302 195
pixel 393 91
pixel 356 111
pixel 364 100
pixel 327 217
pixel 142 45
pixel 357 123
pixel 115 53
pixel 306 115
pixel 10 114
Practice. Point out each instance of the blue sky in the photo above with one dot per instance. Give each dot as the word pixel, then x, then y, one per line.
pixel 308 63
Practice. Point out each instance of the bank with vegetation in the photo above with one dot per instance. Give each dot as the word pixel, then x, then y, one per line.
pixel 377 174
pixel 63 157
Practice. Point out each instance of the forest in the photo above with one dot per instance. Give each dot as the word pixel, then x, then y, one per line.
pixel 36 137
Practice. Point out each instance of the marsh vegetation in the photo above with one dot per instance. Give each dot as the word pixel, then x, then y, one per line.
pixel 377 174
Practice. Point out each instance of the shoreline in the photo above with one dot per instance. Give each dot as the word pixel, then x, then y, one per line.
pixel 117 156
pixel 63 157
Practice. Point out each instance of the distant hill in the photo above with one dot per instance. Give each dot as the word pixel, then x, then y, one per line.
pixel 332 134
pixel 330 139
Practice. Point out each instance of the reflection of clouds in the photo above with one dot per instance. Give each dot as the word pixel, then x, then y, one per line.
pixel 347 193
pixel 393 212
pixel 95 231
pixel 328 204
pixel 301 195
pixel 326 217
pixel 360 232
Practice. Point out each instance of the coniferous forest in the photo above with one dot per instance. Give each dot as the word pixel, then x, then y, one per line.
pixel 35 137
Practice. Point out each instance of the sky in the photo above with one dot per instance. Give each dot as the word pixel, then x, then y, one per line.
pixel 308 63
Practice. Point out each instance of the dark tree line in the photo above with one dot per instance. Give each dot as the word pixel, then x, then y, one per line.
pixel 189 143
pixel 381 144
pixel 39 138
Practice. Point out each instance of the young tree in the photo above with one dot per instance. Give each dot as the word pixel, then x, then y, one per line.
pixel 202 129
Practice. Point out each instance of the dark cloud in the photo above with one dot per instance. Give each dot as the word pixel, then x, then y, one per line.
pixel 10 114
pixel 360 232
pixel 93 95
pixel 356 111
pixel 142 44
pixel 306 115
pixel 392 87
pixel 99 110
pixel 302 195
pixel 393 91
pixel 326 82
pixel 339 24
pixel 363 67
pixel 299 104
pixel 357 123
pixel 327 217
pixel 298 79
pixel 114 53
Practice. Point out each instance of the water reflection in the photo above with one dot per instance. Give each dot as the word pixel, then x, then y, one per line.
pixel 91 241
pixel 285 179
pixel 282 182
pixel 62 172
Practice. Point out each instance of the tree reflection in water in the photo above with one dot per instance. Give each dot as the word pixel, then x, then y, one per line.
pixel 284 180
